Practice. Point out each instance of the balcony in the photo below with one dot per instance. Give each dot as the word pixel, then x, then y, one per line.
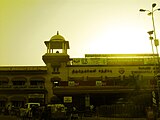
pixel 36 86
pixel 96 89
pixel 2 87
pixel 108 85
pixel 5 86
pixel 91 89
pixel 19 86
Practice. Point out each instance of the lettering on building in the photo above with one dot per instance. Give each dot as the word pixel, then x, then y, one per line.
pixel 144 68
pixel 92 71
pixel 141 71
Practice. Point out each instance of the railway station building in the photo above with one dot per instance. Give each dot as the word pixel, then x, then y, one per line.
pixel 96 79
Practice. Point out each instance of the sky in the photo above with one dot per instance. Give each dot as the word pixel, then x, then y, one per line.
pixel 90 26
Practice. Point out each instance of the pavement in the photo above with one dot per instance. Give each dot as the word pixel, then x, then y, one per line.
pixel 103 118
pixel 7 117
pixel 4 117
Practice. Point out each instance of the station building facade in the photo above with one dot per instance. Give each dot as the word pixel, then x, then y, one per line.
pixel 96 79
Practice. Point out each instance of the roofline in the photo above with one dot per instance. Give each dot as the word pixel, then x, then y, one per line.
pixel 23 68
pixel 120 55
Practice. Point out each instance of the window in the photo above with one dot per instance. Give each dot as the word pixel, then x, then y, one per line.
pixel 2 103
pixel 3 83
pixel 18 82
pixel 55 70
pixel 37 82
pixel 33 83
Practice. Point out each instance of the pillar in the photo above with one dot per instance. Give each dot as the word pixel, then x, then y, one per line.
pixel 87 100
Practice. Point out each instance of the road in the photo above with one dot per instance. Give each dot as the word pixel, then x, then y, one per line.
pixel 4 117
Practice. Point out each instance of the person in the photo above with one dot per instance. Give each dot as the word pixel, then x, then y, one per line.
pixel 46 113
pixel 74 114
pixel 97 111
pixel 150 114
pixel 6 111
pixel 91 109
pixel 12 111
pixel 33 112
pixel 9 109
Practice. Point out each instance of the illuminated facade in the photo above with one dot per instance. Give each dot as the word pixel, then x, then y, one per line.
pixel 97 79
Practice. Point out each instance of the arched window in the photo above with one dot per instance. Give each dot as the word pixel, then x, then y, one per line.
pixel 37 81
pixel 19 81
pixel 4 81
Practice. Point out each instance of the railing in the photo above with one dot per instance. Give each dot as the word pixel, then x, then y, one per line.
pixel 116 84
pixel 36 86
pixel 19 86
pixel 91 89
pixel 115 111
pixel 5 86
pixel 108 82
pixel 22 87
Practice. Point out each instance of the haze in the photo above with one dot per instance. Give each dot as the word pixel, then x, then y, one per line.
pixel 90 26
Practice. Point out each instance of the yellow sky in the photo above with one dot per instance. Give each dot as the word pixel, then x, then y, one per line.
pixel 90 26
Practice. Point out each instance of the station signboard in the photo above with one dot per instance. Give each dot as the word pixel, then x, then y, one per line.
pixel 67 99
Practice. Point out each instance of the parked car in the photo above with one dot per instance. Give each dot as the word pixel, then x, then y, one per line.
pixel 26 110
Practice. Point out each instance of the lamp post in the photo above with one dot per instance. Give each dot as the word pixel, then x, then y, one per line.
pixel 156 44
pixel 151 39
pixel 156 41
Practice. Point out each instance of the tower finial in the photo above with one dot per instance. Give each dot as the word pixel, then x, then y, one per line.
pixel 57 32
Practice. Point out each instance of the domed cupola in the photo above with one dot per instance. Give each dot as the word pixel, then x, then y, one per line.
pixel 56 50
pixel 57 37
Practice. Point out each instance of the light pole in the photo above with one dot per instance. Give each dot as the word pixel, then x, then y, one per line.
pixel 151 39
pixel 154 56
pixel 156 43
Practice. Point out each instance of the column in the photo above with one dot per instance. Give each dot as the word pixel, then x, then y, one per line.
pixel 63 47
pixel 87 100
pixel 49 47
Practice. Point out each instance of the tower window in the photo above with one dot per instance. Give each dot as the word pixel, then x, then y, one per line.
pixel 57 51
pixel 55 70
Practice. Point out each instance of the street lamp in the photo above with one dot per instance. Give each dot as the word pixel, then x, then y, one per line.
pixel 156 41
pixel 151 38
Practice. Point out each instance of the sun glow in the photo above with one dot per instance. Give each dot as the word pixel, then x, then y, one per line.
pixel 120 40
pixel 90 26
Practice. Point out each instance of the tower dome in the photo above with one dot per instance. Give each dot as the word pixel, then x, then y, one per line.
pixel 57 37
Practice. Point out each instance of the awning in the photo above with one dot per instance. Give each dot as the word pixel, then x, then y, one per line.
pixel 91 89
